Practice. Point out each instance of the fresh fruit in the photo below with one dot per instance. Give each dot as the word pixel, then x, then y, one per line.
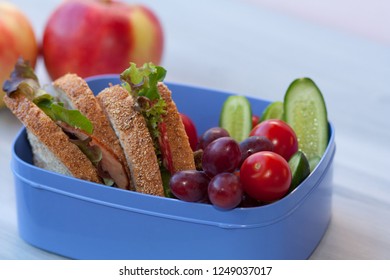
pixel 221 155
pixel 236 117
pixel 254 144
pixel 273 111
pixel 191 131
pixel 189 185
pixel 210 135
pixel 17 39
pixel 248 201
pixel 225 191
pixel 262 168
pixel 100 36
pixel 255 120
pixel 300 169
pixel 270 164
pixel 305 111
pixel 280 134
pixel 265 176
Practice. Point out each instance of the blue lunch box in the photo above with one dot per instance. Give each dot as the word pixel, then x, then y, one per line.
pixel 84 220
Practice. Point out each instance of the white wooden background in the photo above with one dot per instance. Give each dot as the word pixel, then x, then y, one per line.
pixel 258 47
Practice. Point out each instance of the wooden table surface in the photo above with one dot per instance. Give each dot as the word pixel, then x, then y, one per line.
pixel 258 48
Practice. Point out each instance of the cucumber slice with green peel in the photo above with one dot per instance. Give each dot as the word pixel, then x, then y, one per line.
pixel 305 111
pixel 314 162
pixel 300 169
pixel 236 117
pixel 273 111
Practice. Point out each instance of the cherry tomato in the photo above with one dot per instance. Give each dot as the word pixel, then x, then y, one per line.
pixel 265 176
pixel 255 120
pixel 191 131
pixel 280 134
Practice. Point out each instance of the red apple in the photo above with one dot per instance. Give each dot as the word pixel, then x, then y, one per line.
pixel 91 37
pixel 17 38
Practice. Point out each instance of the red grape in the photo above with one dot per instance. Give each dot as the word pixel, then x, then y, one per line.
pixel 221 155
pixel 254 144
pixel 210 135
pixel 225 191
pixel 189 185
pixel 248 201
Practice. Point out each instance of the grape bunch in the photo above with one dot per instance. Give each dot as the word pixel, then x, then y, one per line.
pixel 218 181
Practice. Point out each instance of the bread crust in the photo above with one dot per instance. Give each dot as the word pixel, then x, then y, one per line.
pixel 51 137
pixel 182 154
pixel 82 98
pixel 132 132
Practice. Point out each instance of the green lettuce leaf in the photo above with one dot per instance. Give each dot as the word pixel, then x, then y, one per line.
pixel 57 112
pixel 24 80
pixel 93 153
pixel 71 117
pixel 142 83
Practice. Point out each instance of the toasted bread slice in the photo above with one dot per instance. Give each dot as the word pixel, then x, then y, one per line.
pixel 51 147
pixel 182 154
pixel 133 134
pixel 79 96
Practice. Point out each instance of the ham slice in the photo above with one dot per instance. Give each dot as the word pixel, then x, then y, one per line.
pixel 108 164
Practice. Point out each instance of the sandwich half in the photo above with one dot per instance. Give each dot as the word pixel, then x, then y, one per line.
pixel 51 147
pixel 75 93
pixel 133 134
pixel 62 138
pixel 149 128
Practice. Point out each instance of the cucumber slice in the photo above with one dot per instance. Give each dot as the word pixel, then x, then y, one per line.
pixel 273 111
pixel 305 111
pixel 313 162
pixel 300 169
pixel 236 117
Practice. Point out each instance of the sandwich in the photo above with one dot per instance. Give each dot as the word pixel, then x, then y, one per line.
pixel 73 91
pixel 129 136
pixel 62 138
pixel 148 126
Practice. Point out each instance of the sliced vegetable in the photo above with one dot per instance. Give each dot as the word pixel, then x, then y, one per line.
pixel 305 111
pixel 273 111
pixel 300 169
pixel 190 129
pixel 236 117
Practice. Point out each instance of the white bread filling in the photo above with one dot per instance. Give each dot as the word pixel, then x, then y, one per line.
pixel 44 158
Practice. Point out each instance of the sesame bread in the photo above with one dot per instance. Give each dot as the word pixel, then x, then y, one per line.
pixel 132 132
pixel 182 154
pixel 51 147
pixel 79 96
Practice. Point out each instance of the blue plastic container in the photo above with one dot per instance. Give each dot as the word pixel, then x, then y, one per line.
pixel 84 220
